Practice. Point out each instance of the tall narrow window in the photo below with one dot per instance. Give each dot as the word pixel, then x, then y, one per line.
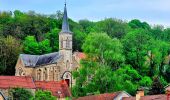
pixel 61 43
pixel 67 43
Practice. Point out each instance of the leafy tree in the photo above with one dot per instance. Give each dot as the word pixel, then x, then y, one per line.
pixel 135 24
pixel 113 27
pixel 145 81
pixel 20 94
pixel 108 51
pixel 43 95
pixel 157 87
pixel 31 46
pixel 52 36
pixel 9 52
pixel 136 49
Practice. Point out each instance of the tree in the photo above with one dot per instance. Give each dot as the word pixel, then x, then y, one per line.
pixel 100 56
pixel 157 87
pixel 43 95
pixel 52 36
pixel 136 47
pixel 113 27
pixel 103 49
pixel 31 46
pixel 135 24
pixel 20 94
pixel 9 52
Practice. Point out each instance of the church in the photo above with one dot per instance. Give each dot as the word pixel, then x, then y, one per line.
pixel 54 66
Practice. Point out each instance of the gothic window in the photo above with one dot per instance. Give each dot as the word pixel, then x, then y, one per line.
pixel 67 43
pixel 39 74
pixel 45 74
pixel 20 71
pixel 61 43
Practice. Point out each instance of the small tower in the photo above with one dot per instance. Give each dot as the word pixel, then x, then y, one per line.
pixel 65 41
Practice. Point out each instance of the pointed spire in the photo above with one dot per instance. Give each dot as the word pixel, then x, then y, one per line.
pixel 65 24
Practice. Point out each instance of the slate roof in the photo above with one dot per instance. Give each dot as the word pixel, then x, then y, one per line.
pixel 65 24
pixel 7 82
pixel 37 60
pixel 58 89
pixel 149 97
pixel 106 96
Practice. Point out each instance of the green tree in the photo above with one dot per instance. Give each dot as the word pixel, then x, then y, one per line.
pixel 113 27
pixel 9 52
pixel 135 24
pixel 157 87
pixel 43 95
pixel 136 47
pixel 20 94
pixel 103 49
pixel 31 46
pixel 54 40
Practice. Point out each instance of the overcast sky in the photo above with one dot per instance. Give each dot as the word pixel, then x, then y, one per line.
pixel 152 11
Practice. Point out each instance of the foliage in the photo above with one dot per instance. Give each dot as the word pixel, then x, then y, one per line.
pixel 43 95
pixel 136 49
pixel 108 51
pixel 128 54
pixel 31 46
pixel 9 51
pixel 20 94
pixel 113 27
pixel 52 36
pixel 157 87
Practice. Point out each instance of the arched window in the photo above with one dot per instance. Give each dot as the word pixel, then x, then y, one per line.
pixel 67 43
pixel 20 71
pixel 61 43
pixel 45 74
pixel 39 74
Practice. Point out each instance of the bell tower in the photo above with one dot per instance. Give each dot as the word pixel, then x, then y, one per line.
pixel 65 41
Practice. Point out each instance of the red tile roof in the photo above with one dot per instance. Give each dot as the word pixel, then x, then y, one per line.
pixel 16 81
pixel 58 89
pixel 149 97
pixel 106 96
pixel 80 55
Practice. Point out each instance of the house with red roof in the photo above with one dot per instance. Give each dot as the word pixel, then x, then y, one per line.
pixel 106 96
pixel 140 96
pixel 8 82
pixel 58 89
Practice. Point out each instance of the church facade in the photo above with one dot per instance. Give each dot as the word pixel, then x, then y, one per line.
pixel 54 66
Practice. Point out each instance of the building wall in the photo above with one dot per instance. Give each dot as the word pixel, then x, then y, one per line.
pixel 21 70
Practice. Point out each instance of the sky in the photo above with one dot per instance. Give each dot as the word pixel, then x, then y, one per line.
pixel 151 11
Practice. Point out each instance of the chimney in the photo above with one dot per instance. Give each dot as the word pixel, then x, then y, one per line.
pixel 139 94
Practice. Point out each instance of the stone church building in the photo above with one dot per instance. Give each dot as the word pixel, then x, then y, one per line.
pixel 54 66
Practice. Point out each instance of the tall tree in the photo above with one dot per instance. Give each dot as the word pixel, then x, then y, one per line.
pixel 9 52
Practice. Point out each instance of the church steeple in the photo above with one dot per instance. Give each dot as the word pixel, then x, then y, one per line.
pixel 65 24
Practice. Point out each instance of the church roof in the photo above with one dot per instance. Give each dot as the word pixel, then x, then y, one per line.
pixel 65 24
pixel 37 60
